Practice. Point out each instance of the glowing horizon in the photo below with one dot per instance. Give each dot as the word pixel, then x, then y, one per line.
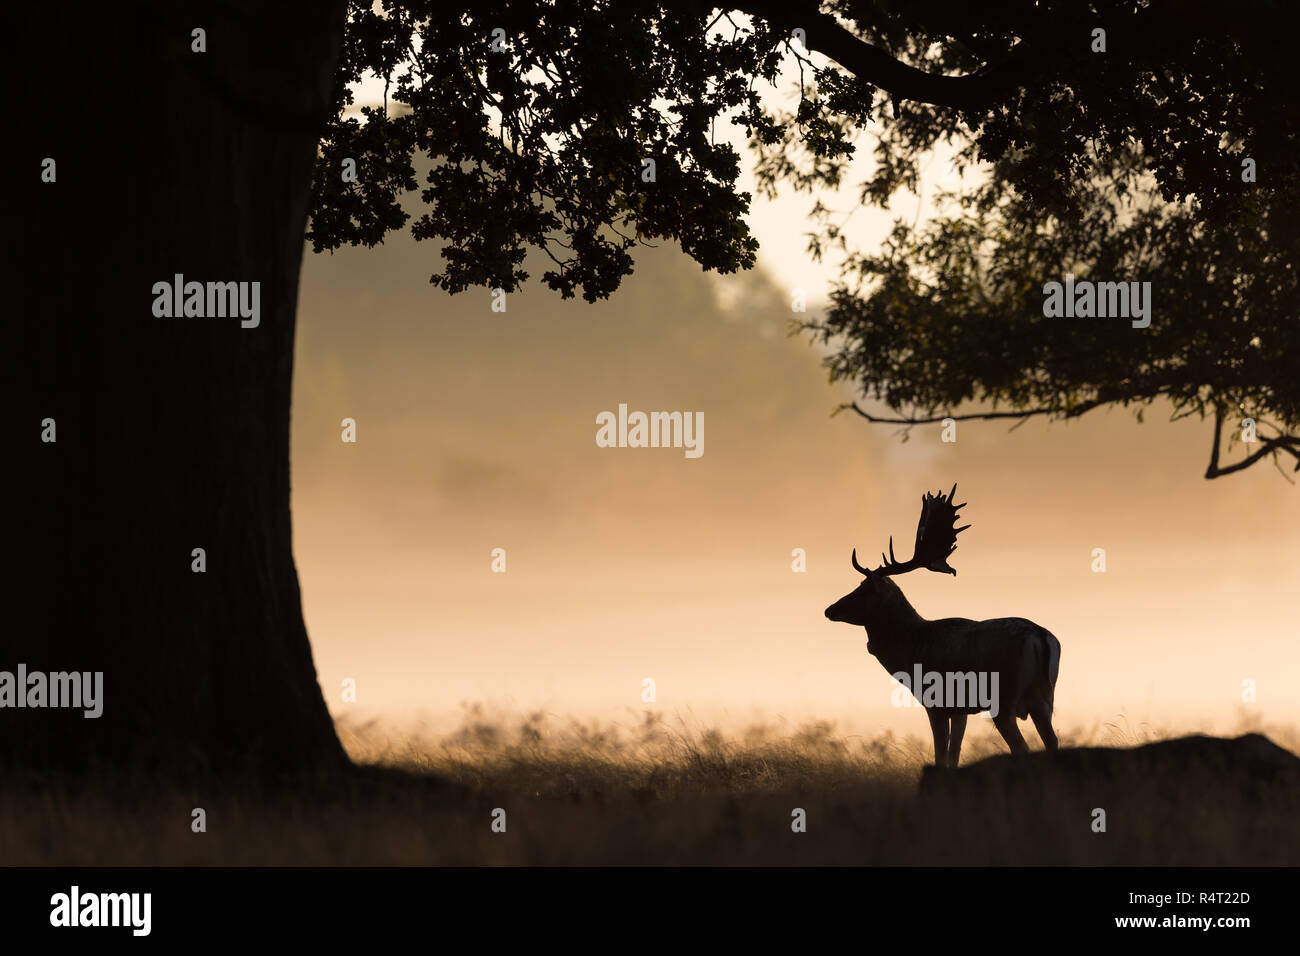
pixel 476 430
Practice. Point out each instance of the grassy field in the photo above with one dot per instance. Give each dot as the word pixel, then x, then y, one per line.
pixel 654 793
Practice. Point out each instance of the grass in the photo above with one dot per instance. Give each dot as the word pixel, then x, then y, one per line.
pixel 651 792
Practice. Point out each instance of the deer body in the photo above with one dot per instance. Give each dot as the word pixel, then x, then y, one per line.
pixel 1016 658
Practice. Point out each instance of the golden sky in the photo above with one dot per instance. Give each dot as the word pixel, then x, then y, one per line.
pixel 476 430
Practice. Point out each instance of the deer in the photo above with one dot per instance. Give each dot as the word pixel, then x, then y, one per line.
pixel 1017 657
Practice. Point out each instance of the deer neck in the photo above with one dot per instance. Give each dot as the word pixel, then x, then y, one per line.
pixel 892 627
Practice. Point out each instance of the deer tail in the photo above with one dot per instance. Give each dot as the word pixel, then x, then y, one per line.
pixel 1053 667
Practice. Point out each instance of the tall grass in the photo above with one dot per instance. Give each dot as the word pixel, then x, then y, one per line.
pixel 649 790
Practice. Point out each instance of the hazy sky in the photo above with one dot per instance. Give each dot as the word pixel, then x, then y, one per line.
pixel 476 430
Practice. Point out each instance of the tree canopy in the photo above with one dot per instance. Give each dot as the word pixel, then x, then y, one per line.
pixel 1150 141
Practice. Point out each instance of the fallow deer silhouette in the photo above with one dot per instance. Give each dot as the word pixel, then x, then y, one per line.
pixel 1024 657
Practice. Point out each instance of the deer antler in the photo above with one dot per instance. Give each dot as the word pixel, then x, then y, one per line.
pixel 936 538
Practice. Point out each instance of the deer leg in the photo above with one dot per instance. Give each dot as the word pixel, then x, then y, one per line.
pixel 1042 717
pixel 1005 722
pixel 954 738
pixel 939 727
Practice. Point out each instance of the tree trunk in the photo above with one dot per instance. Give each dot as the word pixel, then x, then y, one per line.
pixel 172 434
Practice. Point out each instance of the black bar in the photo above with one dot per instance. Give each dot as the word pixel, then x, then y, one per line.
pixel 930 906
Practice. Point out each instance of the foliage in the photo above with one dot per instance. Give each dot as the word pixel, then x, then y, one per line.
pixel 1122 165
pixel 541 145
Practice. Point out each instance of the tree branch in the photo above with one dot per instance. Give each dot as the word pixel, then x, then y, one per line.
pixel 972 92
pixel 1075 412
pixel 1270 446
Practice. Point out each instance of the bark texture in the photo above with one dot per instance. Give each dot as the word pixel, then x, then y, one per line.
pixel 172 433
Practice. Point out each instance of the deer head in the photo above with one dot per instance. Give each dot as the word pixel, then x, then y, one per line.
pixel 936 540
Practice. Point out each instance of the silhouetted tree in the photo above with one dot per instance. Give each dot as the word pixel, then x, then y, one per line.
pixel 171 433
pixel 1170 158
pixel 1111 141
pixel 575 129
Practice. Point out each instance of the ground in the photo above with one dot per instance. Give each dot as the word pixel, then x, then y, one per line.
pixel 652 793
